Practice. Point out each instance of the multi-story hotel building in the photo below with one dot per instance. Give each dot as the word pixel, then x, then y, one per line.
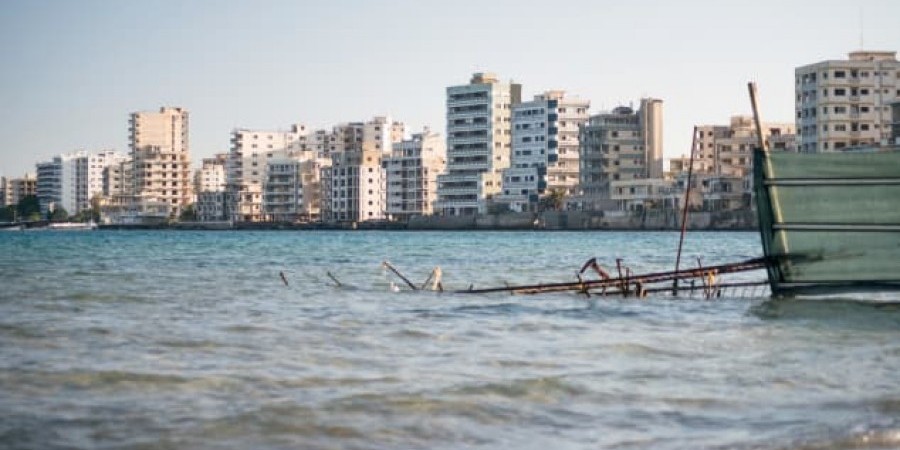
pixel 72 180
pixel 13 190
pixel 210 177
pixel 846 103
pixel 209 189
pixel 479 139
pixel 622 144
pixel 727 150
pixel 160 155
pixel 411 172
pixel 248 159
pixel 98 169
pixel 292 191
pixel 354 185
pixel 545 149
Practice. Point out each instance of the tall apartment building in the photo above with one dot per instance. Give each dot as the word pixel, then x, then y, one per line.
pixel 72 180
pixel 479 140
pixel 846 103
pixel 99 165
pixel 411 174
pixel 248 159
pixel 210 202
pixel 118 180
pixel 13 190
pixel 160 155
pixel 210 177
pixel 354 185
pixel 727 150
pixel 545 149
pixel 622 144
pixel 292 191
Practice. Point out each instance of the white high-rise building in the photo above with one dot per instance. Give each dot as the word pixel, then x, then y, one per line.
pixel 846 103
pixel 248 159
pixel 354 185
pixel 98 167
pixel 72 180
pixel 210 177
pixel 622 144
pixel 545 149
pixel 412 171
pixel 478 143
pixel 160 155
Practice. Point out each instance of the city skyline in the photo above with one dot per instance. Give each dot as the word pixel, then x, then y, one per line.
pixel 75 71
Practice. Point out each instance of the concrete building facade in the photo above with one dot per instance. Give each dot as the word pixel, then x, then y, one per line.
pixel 545 149
pixel 160 155
pixel 727 150
pixel 13 190
pixel 623 144
pixel 479 140
pixel 71 181
pixel 411 172
pixel 292 191
pixel 210 177
pixel 842 104
pixel 354 184
pixel 251 151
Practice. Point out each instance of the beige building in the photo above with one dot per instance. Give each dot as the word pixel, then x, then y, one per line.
pixel 727 150
pixel 545 149
pixel 846 103
pixel 411 172
pixel 251 151
pixel 623 144
pixel 354 185
pixel 645 193
pixel 292 191
pixel 160 155
pixel 479 138
pixel 13 190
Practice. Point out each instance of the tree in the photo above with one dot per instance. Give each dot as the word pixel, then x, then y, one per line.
pixel 86 215
pixel 554 200
pixel 8 213
pixel 59 214
pixel 28 207
pixel 187 214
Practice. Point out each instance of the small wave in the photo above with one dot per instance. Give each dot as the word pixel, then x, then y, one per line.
pixel 190 344
pixel 19 331
pixel 541 390
pixel 869 439
pixel 633 348
pixel 246 328
pixel 412 334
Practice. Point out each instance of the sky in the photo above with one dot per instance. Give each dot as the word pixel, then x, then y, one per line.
pixel 73 71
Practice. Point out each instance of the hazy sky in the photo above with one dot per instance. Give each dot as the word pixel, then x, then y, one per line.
pixel 72 71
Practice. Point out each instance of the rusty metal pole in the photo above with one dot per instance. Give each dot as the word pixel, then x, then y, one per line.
pixel 684 212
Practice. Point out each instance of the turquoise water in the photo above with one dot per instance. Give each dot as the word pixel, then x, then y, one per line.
pixel 167 339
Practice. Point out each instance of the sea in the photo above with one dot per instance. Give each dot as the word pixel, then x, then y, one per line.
pixel 169 339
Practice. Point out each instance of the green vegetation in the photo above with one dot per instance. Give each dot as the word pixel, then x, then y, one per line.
pixel 59 214
pixel 187 214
